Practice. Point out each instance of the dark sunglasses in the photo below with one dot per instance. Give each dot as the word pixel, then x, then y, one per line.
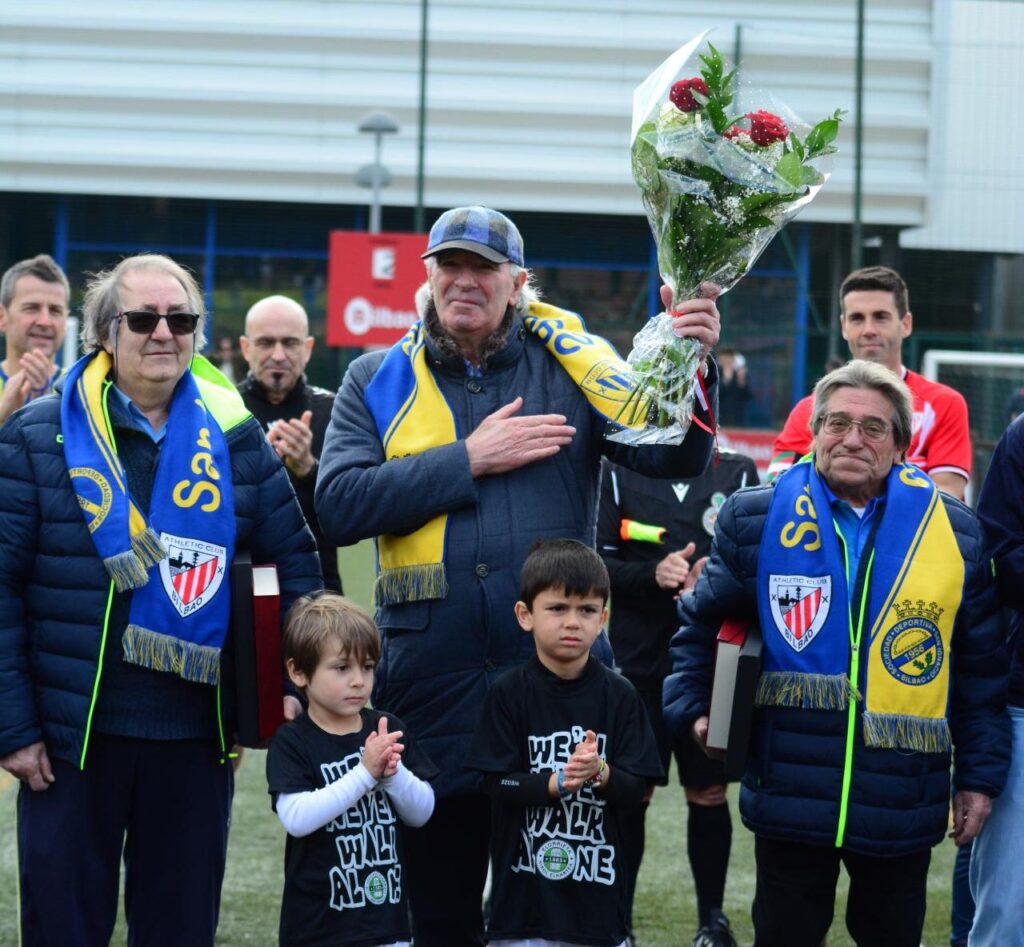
pixel 144 322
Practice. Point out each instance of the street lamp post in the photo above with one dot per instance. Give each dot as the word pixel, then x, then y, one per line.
pixel 857 235
pixel 375 176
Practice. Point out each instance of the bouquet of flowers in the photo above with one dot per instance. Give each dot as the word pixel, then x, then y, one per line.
pixel 717 186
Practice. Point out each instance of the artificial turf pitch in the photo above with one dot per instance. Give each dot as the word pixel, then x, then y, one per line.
pixel 665 910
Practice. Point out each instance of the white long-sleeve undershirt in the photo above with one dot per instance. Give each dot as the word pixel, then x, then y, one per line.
pixel 302 813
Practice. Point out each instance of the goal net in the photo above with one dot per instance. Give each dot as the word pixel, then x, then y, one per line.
pixel 993 385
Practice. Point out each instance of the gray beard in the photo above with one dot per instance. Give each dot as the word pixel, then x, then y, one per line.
pixel 493 344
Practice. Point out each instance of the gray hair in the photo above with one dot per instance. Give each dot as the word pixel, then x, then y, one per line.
pixel 43 267
pixel 874 377
pixel 102 302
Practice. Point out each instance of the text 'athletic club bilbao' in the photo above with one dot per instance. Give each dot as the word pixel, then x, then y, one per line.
pixel 192 572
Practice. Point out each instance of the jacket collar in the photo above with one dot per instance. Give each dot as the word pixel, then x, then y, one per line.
pixel 251 386
pixel 455 364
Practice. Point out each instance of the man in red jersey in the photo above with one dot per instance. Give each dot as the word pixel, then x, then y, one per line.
pixel 876 319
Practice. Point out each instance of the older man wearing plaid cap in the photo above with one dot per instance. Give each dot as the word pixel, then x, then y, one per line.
pixel 471 438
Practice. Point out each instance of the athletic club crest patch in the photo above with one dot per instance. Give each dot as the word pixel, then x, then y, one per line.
pixel 800 606
pixel 192 572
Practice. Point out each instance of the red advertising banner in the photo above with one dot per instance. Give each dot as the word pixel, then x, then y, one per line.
pixel 755 443
pixel 371 284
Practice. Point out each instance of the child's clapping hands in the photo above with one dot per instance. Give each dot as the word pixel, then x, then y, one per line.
pixel 584 764
pixel 382 751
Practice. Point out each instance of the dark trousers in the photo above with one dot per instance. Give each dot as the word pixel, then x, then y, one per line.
pixel 445 867
pixel 796 891
pixel 165 806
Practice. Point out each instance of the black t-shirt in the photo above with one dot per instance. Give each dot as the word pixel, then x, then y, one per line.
pixel 343 882
pixel 643 615
pixel 559 870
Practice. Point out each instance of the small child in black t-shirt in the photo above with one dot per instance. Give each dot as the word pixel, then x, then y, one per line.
pixel 565 747
pixel 339 779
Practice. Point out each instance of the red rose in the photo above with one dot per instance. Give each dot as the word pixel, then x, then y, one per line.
pixel 681 95
pixel 734 132
pixel 766 127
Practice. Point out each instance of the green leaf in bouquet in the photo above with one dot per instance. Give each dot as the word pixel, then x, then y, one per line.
pixel 674 355
pixel 719 120
pixel 757 201
pixel 811 176
pixel 790 169
pixel 726 89
pixel 796 145
pixel 820 138
pixel 645 161
pixel 714 67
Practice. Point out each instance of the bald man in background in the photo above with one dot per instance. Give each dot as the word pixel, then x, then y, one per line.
pixel 277 345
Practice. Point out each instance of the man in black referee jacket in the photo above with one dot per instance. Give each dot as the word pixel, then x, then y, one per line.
pixel 648 533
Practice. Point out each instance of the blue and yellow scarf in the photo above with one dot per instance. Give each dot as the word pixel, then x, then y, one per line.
pixel 176 560
pixel 912 588
pixel 412 416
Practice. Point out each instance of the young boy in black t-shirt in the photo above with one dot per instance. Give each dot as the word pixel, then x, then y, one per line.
pixel 339 778
pixel 566 748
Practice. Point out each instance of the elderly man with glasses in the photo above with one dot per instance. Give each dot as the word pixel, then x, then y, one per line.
pixel 277 345
pixel 883 656
pixel 122 503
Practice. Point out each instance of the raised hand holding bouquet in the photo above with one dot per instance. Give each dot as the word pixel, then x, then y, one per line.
pixel 717 186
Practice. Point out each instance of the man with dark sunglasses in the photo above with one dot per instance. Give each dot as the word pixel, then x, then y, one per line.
pixel 277 345
pixel 122 504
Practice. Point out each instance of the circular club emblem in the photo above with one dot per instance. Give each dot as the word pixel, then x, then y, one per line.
pixel 94 495
pixel 710 516
pixel 555 860
pixel 709 519
pixel 912 651
pixel 376 888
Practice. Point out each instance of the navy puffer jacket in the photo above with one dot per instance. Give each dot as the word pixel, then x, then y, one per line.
pixel 55 590
pixel 792 788
pixel 440 657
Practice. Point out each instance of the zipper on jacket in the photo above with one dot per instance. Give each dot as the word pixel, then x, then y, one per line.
pixel 99 672
pixel 225 756
pixel 856 632
pixel 106 614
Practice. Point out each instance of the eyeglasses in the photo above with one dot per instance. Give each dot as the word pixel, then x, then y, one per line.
pixel 144 322
pixel 266 344
pixel 873 429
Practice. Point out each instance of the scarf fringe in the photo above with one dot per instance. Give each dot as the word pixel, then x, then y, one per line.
pixel 159 652
pixel 127 571
pixel 130 569
pixel 411 584
pixel 901 732
pixel 148 548
pixel 808 691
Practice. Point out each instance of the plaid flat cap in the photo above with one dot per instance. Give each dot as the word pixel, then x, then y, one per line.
pixel 479 230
